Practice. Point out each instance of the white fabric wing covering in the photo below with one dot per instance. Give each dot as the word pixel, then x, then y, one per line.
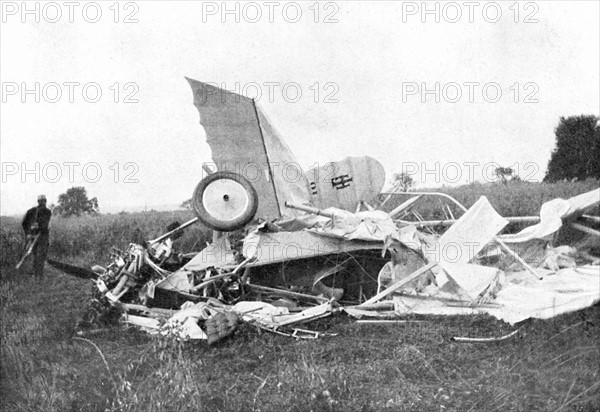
pixel 551 215
pixel 374 226
pixel 521 297
pixel 473 280
pixel 469 235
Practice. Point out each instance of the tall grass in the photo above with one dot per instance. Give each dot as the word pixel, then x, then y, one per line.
pixel 362 368
pixel 512 199
pixel 552 366
pixel 90 238
pixel 520 198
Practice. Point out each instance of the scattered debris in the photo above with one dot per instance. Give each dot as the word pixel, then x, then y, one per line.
pixel 288 251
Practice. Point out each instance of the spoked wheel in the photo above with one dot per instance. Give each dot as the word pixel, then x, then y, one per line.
pixel 225 201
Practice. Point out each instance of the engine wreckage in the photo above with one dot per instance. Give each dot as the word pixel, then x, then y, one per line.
pixel 291 246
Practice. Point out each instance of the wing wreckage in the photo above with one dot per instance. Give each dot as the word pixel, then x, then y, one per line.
pixel 291 246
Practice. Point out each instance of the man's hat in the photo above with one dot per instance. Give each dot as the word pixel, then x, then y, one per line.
pixel 41 197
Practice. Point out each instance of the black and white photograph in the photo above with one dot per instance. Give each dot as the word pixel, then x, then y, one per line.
pixel 299 205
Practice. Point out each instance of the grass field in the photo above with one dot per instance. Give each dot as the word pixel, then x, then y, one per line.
pixel 553 365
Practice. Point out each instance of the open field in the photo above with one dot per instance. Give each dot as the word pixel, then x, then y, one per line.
pixel 88 239
pixel 513 199
pixel 552 365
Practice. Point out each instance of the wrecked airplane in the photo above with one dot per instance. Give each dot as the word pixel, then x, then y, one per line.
pixel 291 246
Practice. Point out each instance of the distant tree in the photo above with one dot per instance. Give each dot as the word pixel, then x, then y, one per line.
pixel 504 174
pixel 75 202
pixel 577 152
pixel 402 181
pixel 186 204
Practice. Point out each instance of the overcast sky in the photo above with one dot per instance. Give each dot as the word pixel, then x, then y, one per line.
pixel 369 74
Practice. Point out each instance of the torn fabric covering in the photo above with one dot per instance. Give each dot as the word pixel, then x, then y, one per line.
pixel 184 323
pixel 551 215
pixel 559 257
pixel 176 281
pixel 147 324
pixel 373 225
pixel 216 254
pixel 469 235
pixel 520 298
pixel 278 247
pixel 473 280
pixel 272 317
pixel 242 140
pixel 302 222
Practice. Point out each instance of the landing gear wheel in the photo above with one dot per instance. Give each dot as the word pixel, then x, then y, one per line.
pixel 225 201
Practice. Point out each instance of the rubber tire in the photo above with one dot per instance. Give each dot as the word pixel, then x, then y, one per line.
pixel 225 225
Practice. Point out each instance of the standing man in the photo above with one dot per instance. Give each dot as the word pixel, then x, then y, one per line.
pixel 36 222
